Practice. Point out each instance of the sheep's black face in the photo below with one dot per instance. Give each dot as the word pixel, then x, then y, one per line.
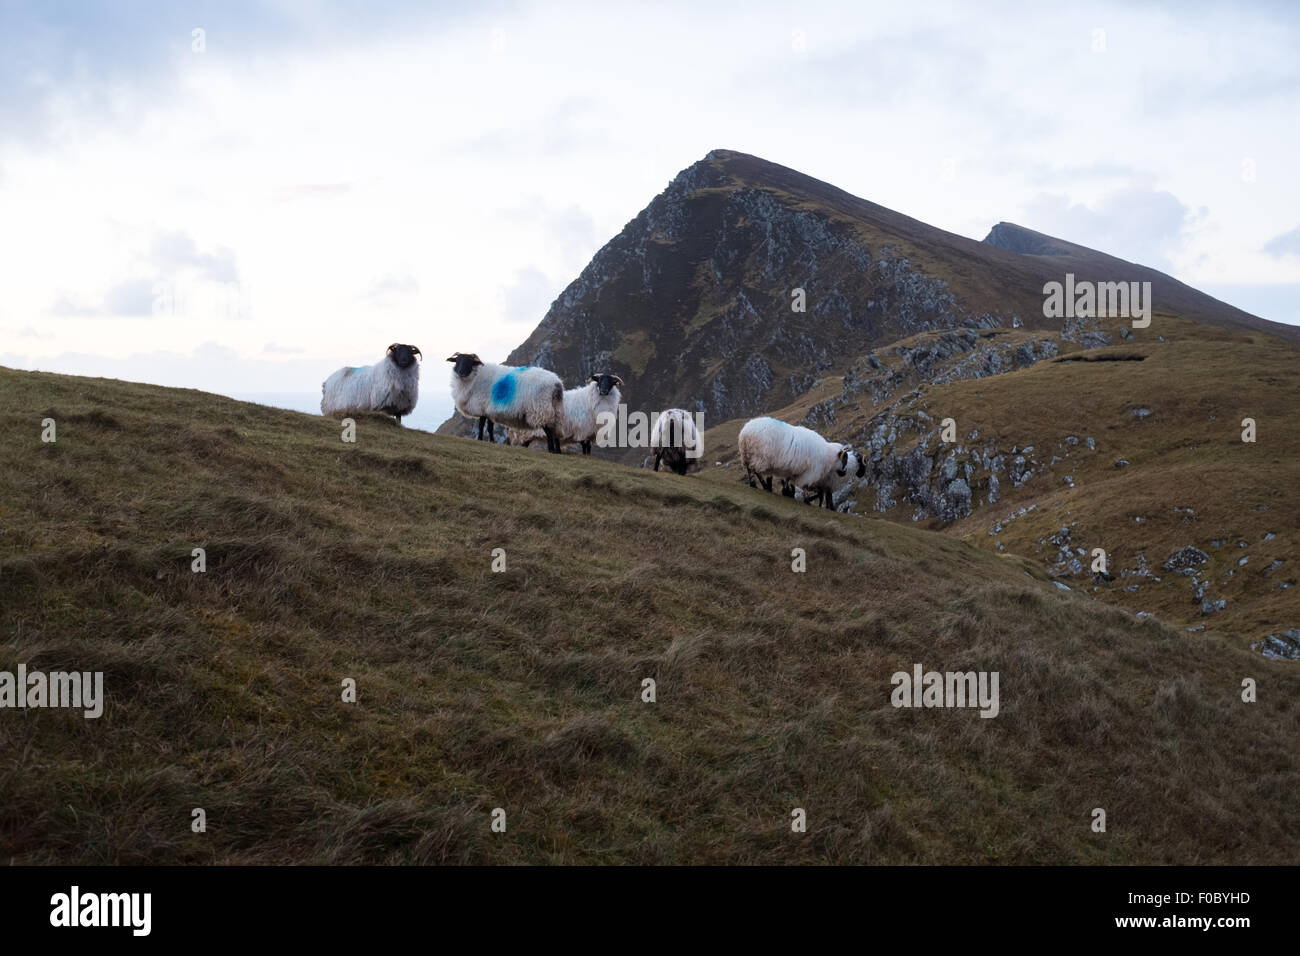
pixel 605 382
pixel 862 466
pixel 403 356
pixel 464 364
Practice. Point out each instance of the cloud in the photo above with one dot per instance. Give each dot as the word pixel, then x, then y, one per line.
pixel 177 250
pixel 1287 244
pixel 386 289
pixel 132 297
pixel 1135 222
pixel 180 271
pixel 312 191
pixel 527 297
pixel 272 349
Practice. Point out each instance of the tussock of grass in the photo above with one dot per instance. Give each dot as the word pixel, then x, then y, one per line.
pixel 522 690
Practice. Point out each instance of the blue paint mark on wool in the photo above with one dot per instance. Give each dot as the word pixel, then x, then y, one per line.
pixel 503 390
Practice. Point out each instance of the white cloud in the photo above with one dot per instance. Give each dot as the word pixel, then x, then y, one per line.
pixel 387 177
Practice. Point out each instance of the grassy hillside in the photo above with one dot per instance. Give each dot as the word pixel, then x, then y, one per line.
pixel 1171 407
pixel 521 689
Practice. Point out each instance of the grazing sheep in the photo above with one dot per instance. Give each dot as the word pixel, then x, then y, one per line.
pixel 676 441
pixel 798 456
pixel 390 386
pixel 579 421
pixel 524 397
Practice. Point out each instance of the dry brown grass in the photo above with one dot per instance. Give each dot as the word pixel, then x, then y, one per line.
pixel 521 690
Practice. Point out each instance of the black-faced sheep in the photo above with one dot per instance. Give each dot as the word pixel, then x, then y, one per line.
pixel 391 385
pixel 524 397
pixel 798 456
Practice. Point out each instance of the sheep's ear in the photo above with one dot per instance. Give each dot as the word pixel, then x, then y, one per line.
pixel 393 346
pixel 454 357
pixel 417 351
pixel 595 378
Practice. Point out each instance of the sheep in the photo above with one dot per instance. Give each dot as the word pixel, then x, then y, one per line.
pixel 676 441
pixel 524 397
pixel 582 408
pixel 798 456
pixel 390 386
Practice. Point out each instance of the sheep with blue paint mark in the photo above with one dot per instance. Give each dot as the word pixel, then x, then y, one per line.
pixel 524 397
pixel 391 385
pixel 581 412
pixel 799 456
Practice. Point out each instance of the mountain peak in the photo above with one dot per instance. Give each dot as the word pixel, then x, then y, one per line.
pixel 1014 238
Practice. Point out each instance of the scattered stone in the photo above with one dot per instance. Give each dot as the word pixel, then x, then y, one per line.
pixel 1270 536
pixel 1210 607
pixel 1280 647
pixel 1196 627
pixel 1071 440
pixel 1243 560
pixel 1186 560
pixel 1140 413
pixel 1121 463
pixel 1132 587
pixel 1143 614
pixel 1218 542
pixel 1275 565
pixel 1284 585
pixel 1060 585
pixel 1124 333
pixel 1242 544
pixel 1092 445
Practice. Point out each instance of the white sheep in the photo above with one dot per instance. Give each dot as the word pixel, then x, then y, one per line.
pixel 391 385
pixel 580 414
pixel 798 456
pixel 524 397
pixel 676 441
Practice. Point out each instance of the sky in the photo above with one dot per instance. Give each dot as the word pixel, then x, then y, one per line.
pixel 243 197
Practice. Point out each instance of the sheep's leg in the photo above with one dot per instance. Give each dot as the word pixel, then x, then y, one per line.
pixel 658 455
pixel 767 484
pixel 828 498
pixel 399 420
pixel 481 420
pixel 586 447
pixel 492 435
pixel 787 489
pixel 552 442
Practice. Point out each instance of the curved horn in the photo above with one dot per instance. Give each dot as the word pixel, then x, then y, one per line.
pixel 417 351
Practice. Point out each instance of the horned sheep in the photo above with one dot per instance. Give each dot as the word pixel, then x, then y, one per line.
pixel 390 386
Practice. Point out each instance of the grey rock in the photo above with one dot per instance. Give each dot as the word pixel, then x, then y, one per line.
pixel 1280 647
pixel 1186 560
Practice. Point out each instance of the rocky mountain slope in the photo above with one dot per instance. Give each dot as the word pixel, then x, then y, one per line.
pixel 1074 434
pixel 692 303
